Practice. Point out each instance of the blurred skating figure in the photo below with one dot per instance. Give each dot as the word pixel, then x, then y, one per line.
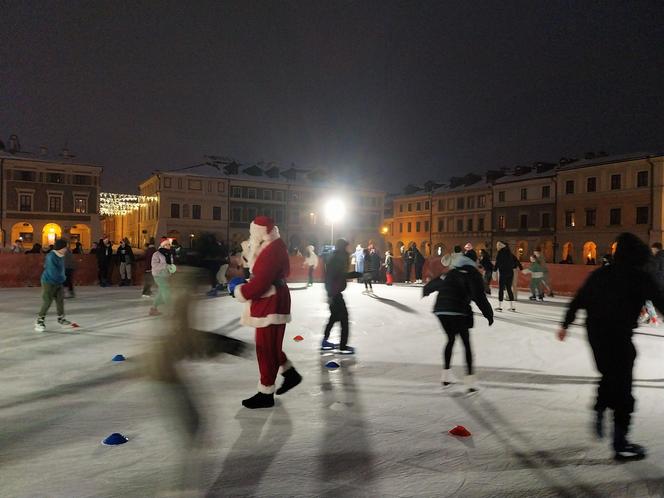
pixel 311 263
pixel 612 297
pixel 180 341
pixel 336 274
pixel 162 269
pixel 456 289
pixel 268 309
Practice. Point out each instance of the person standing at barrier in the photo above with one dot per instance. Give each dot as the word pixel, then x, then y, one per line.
pixel 162 269
pixel 612 297
pixel 126 259
pixel 311 263
pixel 505 264
pixel 104 261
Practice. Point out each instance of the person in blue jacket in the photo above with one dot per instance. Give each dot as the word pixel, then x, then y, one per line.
pixel 52 282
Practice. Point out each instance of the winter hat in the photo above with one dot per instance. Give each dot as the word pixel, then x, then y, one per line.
pixel 471 254
pixel 60 244
pixel 263 227
pixel 500 244
pixel 163 241
pixel 457 248
pixel 468 247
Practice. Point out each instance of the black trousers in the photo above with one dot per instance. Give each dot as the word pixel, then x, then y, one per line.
pixel 338 313
pixel 366 279
pixel 418 271
pixel 505 283
pixel 487 281
pixel 407 266
pixel 456 325
pixel 147 283
pixel 311 275
pixel 615 362
pixel 102 273
pixel 69 279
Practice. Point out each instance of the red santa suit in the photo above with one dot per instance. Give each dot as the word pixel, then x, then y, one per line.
pixel 267 301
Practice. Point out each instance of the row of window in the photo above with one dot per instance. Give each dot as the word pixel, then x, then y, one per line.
pixel 193 213
pixel 259 193
pixel 247 214
pixel 54 203
pixel 445 225
pixel 616 183
pixel 195 184
pixel 545 221
pixel 458 203
pixel 545 193
pixel 51 177
pixel 615 217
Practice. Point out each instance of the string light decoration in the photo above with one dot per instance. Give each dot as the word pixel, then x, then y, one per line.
pixel 120 204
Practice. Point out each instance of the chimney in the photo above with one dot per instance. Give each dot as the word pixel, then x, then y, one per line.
pixel 14 144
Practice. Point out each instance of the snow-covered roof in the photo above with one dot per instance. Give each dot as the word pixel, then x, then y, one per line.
pixel 32 157
pixel 598 161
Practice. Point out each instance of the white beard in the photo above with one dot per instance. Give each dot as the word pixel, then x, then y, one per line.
pixel 256 245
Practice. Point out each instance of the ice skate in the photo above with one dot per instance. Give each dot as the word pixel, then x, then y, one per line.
pixel 154 312
pixel 630 451
pixel 64 322
pixel 512 308
pixel 327 346
pixel 470 384
pixel 259 400
pixel 291 379
pixel 500 306
pixel 446 378
pixel 347 350
pixel 533 298
pixel 40 325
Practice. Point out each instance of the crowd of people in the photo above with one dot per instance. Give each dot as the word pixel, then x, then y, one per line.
pixel 257 277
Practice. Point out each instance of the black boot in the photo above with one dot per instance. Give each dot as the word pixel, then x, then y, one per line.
pixel 598 425
pixel 291 379
pixel 259 400
pixel 624 450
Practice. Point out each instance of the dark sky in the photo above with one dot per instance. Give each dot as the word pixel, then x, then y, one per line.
pixel 403 91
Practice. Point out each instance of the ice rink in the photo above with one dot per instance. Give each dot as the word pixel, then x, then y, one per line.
pixel 375 427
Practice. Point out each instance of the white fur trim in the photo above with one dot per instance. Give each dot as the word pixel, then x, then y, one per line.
pixel 264 321
pixel 238 294
pixel 265 389
pixel 286 366
pixel 240 297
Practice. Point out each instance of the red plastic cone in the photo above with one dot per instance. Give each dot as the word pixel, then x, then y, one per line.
pixel 460 431
pixel 298 338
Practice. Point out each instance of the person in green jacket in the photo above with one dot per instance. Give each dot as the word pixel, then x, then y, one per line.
pixel 52 282
pixel 536 271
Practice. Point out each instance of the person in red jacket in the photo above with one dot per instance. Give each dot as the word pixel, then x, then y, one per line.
pixel 267 309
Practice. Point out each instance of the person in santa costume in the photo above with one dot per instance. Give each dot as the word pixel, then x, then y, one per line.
pixel 267 309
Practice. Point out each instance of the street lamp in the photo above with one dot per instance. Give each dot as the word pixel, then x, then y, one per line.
pixel 334 212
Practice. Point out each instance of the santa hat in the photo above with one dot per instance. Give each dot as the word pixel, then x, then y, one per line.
pixel 263 227
pixel 163 241
pixel 468 247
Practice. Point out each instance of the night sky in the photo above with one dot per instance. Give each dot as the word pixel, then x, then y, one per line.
pixel 400 91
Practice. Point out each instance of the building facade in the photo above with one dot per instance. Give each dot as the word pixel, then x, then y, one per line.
pixel 524 210
pixel 45 199
pixel 600 198
pixel 184 205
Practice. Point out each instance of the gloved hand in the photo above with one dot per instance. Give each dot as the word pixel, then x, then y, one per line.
pixel 235 281
pixel 171 269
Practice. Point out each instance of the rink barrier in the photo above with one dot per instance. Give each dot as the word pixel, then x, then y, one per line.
pixel 24 270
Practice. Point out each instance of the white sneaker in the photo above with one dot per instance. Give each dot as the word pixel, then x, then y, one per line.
pixel 40 326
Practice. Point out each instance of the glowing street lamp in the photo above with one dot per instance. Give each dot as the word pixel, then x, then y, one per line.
pixel 334 212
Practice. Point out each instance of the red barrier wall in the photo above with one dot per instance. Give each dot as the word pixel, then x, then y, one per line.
pixel 24 270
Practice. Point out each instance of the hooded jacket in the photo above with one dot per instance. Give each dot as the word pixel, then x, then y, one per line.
pixel 54 269
pixel 336 271
pixel 461 285
pixel 506 261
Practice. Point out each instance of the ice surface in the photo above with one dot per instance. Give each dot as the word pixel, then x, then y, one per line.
pixel 377 426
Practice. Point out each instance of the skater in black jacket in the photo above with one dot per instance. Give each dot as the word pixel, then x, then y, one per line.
pixel 505 264
pixel 487 266
pixel 461 285
pixel 336 274
pixel 612 297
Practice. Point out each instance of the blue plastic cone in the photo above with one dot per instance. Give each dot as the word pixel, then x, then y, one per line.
pixel 118 357
pixel 332 365
pixel 115 439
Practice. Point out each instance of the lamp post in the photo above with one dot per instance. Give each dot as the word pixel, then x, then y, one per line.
pixel 334 212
